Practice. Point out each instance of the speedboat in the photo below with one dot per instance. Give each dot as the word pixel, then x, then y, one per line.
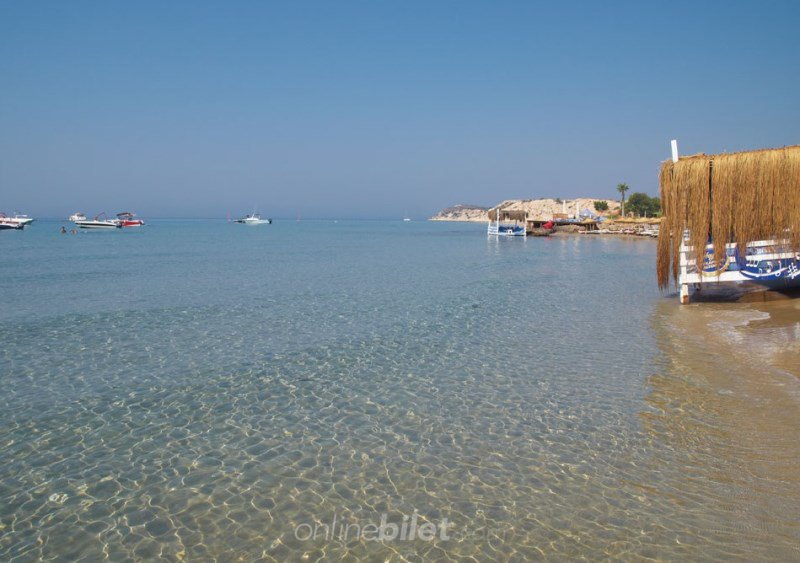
pixel 253 219
pixel 128 219
pixel 99 222
pixel 7 226
pixel 17 219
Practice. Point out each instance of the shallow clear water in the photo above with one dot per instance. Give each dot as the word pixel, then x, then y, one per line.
pixel 201 390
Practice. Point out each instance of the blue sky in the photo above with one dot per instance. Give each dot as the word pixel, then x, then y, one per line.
pixel 374 109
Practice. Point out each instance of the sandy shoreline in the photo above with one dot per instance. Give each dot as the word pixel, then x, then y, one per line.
pixel 546 209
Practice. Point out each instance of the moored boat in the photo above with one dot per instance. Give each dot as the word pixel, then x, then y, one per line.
pixel 99 222
pixel 253 219
pixel 16 219
pixel 128 219
pixel 7 226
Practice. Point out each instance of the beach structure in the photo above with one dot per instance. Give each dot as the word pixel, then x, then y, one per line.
pixel 730 218
pixel 507 222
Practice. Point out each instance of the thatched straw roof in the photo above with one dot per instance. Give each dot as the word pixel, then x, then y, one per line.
pixel 508 214
pixel 732 197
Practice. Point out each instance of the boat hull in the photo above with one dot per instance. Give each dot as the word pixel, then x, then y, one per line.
pixel 254 221
pixel 97 225
pixel 19 221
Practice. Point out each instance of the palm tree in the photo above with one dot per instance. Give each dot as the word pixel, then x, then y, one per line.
pixel 622 188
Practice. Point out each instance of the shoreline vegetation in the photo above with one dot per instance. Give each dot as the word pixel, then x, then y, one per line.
pixel 547 209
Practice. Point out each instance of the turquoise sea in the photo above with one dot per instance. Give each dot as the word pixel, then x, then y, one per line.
pixel 366 390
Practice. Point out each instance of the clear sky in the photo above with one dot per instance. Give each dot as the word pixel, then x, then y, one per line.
pixel 376 108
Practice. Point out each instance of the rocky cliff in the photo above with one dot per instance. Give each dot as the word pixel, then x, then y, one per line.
pixel 474 213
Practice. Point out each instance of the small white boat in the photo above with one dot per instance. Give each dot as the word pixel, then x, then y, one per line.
pixel 253 219
pixel 16 219
pixel 99 222
pixel 6 226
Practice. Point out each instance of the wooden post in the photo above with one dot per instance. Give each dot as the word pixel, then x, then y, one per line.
pixel 684 294
pixel 684 287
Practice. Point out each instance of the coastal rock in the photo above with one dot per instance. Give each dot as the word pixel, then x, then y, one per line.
pixel 538 209
pixel 461 212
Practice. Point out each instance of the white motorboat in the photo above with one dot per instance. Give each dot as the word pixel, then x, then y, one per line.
pixel 253 219
pixel 99 222
pixel 6 226
pixel 16 219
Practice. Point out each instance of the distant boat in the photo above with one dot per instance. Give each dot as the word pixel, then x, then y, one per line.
pixel 99 222
pixel 406 219
pixel 16 219
pixel 253 219
pixel 128 219
pixel 7 226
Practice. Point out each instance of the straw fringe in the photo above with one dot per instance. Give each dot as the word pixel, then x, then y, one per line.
pixel 737 197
